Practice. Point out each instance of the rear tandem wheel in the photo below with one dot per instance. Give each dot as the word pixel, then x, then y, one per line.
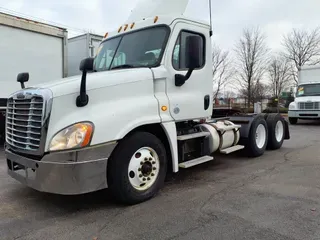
pixel 276 130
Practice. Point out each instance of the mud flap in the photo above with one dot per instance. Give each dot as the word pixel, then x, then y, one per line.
pixel 286 130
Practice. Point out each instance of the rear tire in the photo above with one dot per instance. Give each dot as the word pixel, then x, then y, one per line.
pixel 293 121
pixel 258 137
pixel 276 131
pixel 137 168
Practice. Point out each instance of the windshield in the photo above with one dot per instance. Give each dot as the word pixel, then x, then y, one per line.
pixel 143 48
pixel 308 90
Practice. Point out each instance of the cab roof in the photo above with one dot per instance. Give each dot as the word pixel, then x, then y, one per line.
pixel 151 8
pixel 149 13
pixel 151 21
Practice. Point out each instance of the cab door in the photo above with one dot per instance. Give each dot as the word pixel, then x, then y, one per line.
pixel 192 100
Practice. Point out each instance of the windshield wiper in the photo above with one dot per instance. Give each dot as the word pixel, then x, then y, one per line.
pixel 122 66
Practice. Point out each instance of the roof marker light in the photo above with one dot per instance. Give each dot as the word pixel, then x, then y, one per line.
pixel 120 28
pixel 156 19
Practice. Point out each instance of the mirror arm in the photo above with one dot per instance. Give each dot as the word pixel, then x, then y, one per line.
pixel 83 98
pixel 181 79
pixel 189 73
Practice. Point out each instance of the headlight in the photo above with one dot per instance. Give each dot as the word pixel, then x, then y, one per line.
pixel 292 106
pixel 75 136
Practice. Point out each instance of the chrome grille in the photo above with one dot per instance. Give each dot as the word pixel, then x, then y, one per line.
pixel 309 105
pixel 24 122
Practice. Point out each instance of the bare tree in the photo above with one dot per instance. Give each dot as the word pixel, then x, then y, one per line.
pixel 259 91
pixel 302 48
pixel 221 69
pixel 280 75
pixel 251 52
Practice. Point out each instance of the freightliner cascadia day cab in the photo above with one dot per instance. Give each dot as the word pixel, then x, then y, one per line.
pixel 306 104
pixel 141 109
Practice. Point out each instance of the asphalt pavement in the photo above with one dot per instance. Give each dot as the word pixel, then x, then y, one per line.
pixel 276 196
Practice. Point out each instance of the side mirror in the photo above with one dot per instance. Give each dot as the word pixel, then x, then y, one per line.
pixel 22 78
pixel 194 57
pixel 86 65
pixel 194 52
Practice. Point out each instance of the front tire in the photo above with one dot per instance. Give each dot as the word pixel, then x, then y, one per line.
pixel 258 137
pixel 293 121
pixel 137 168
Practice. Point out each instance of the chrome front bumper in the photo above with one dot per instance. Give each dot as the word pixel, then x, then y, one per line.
pixel 67 173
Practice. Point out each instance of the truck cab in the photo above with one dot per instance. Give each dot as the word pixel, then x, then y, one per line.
pixel 306 104
pixel 140 109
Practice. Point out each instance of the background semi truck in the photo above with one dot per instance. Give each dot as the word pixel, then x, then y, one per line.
pixel 29 46
pixel 306 104
pixel 141 109
pixel 81 47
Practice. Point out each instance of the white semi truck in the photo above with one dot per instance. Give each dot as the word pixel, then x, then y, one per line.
pixel 306 104
pixel 141 109
pixel 27 45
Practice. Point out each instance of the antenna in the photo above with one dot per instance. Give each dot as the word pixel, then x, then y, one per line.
pixel 210 19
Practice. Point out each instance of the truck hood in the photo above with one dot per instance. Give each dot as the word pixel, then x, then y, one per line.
pixel 96 80
pixel 307 99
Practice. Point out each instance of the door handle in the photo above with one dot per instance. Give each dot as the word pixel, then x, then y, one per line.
pixel 206 102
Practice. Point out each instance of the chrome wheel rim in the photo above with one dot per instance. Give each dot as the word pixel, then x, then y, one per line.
pixel 279 130
pixel 261 134
pixel 143 168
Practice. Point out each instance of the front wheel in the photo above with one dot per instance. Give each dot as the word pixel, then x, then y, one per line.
pixel 293 121
pixel 137 168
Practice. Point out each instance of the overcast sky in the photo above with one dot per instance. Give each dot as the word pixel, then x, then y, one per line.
pixel 275 17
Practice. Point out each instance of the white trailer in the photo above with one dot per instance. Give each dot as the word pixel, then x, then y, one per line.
pixel 81 47
pixel 141 109
pixel 306 104
pixel 31 46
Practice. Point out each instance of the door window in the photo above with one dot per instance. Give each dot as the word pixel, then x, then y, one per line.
pixel 179 58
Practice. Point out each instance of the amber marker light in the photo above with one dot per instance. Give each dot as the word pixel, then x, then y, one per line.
pixel 164 108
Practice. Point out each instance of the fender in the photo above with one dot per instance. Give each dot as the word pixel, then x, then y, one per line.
pixel 171 132
pixel 246 120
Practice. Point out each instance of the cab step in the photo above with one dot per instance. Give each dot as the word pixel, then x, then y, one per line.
pixel 232 149
pixel 195 162
pixel 192 136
